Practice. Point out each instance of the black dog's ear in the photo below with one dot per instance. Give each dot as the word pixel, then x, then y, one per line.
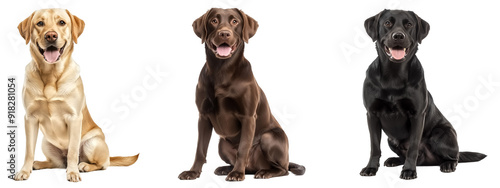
pixel 371 25
pixel 422 28
pixel 249 26
pixel 200 26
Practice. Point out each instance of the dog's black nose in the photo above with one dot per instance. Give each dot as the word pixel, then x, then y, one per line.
pixel 398 36
pixel 224 34
pixel 51 36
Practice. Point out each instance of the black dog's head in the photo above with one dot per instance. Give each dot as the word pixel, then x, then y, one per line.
pixel 223 30
pixel 397 33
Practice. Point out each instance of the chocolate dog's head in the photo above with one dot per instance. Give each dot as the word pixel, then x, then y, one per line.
pixel 224 30
pixel 397 33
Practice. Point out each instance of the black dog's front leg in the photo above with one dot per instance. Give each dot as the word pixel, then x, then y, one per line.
pixel 375 129
pixel 417 128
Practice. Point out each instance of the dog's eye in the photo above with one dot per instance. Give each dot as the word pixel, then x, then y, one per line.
pixel 408 25
pixel 214 21
pixel 387 23
pixel 62 23
pixel 234 21
pixel 40 23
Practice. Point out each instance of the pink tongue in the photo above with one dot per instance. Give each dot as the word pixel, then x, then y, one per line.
pixel 51 56
pixel 397 54
pixel 223 50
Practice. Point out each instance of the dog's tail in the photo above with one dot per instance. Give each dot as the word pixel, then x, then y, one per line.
pixel 296 169
pixel 123 161
pixel 470 157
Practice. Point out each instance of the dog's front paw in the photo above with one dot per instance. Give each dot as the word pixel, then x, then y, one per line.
pixel 235 176
pixel 408 174
pixel 73 176
pixel 22 175
pixel 189 175
pixel 368 171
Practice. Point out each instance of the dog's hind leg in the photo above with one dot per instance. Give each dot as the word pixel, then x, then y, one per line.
pixel 274 146
pixel 444 146
pixel 394 161
pixel 94 155
pixel 56 158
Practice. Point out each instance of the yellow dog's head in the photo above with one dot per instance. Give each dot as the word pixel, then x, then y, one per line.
pixel 52 33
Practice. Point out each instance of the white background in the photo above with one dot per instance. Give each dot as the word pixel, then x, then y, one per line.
pixel 313 86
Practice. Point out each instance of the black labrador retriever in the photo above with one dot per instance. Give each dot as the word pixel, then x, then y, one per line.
pixel 397 101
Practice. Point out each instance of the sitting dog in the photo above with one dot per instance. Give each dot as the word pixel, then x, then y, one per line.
pixel 397 101
pixel 55 103
pixel 230 101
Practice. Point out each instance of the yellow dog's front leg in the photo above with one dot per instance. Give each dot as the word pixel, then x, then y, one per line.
pixel 74 124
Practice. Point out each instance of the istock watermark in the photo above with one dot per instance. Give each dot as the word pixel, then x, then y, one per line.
pixel 11 126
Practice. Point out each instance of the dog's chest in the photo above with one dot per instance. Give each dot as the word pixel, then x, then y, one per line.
pixel 222 109
pixel 51 108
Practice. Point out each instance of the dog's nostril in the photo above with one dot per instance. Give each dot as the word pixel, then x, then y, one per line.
pixel 224 34
pixel 51 36
pixel 398 36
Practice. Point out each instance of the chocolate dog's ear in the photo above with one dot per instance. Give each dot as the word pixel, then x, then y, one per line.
pixel 77 26
pixel 25 28
pixel 249 26
pixel 371 25
pixel 422 28
pixel 200 26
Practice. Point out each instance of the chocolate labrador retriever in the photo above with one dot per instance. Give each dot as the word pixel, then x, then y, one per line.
pixel 230 101
pixel 397 101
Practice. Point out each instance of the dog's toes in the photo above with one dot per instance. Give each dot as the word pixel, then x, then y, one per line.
pixel 22 175
pixel 408 174
pixel 73 176
pixel 263 174
pixel 235 176
pixel 83 167
pixel 368 171
pixel 189 175
pixel 393 161
pixel 448 166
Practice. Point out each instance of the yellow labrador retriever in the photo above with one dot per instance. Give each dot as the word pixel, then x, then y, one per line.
pixel 55 103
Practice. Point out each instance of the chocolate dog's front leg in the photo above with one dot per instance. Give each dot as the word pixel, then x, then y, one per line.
pixel 247 134
pixel 417 128
pixel 375 135
pixel 204 135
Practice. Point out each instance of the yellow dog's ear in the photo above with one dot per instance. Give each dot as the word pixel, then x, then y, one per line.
pixel 25 28
pixel 249 26
pixel 200 26
pixel 77 26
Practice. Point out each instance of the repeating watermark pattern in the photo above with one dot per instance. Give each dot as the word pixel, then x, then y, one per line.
pixel 16 41
pixel 132 99
pixel 216 182
pixel 471 103
pixel 11 126
pixel 284 115
pixel 392 178
pixel 361 40
pixel 226 3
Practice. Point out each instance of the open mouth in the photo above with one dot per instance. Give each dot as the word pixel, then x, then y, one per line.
pixel 224 49
pixel 396 53
pixel 52 53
